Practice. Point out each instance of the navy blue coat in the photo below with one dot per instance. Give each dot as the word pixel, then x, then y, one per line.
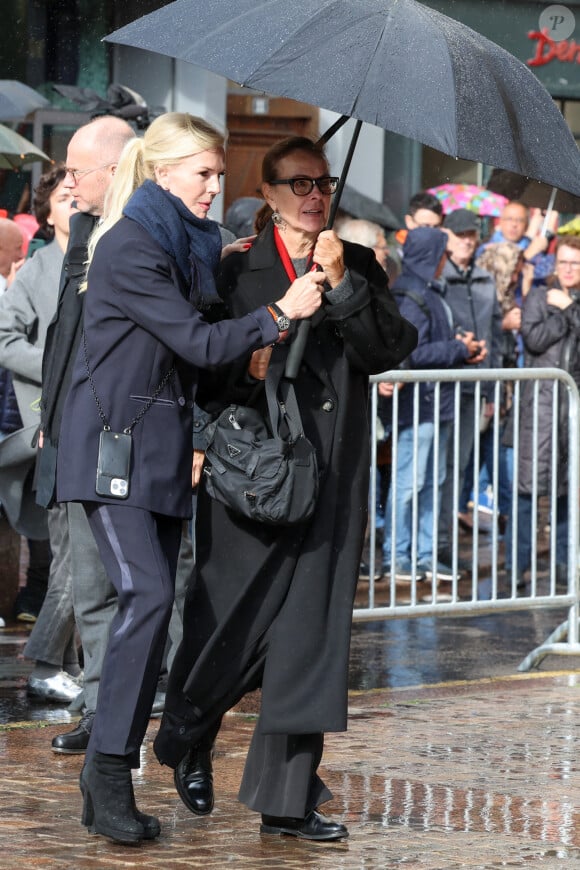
pixel 139 322
pixel 437 348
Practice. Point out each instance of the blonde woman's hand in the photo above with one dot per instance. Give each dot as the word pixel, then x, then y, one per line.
pixel 304 296
pixel 241 245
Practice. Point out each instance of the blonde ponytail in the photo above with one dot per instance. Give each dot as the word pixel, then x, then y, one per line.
pixel 167 141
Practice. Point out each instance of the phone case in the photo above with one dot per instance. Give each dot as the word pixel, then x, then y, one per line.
pixel 113 464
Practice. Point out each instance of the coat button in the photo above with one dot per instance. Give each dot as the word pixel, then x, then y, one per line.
pixel 190 403
pixel 181 401
pixel 328 405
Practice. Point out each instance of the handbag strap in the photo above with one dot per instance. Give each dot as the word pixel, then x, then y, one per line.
pixel 142 411
pixel 282 402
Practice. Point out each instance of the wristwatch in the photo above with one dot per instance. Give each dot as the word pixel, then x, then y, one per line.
pixel 282 321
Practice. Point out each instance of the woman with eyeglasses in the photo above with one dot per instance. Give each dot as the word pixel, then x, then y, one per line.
pixel 271 606
pixel 551 332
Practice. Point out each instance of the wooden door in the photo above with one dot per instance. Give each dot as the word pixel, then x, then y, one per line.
pixel 254 124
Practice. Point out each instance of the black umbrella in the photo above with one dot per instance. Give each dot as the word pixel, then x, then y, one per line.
pixel 360 206
pixel 121 101
pixel 393 63
pixel 532 193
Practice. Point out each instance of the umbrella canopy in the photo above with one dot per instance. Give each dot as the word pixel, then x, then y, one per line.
pixel 394 63
pixel 477 199
pixel 532 193
pixel 361 206
pixel 17 100
pixel 15 150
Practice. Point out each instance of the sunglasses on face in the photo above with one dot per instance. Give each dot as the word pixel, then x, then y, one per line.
pixel 326 184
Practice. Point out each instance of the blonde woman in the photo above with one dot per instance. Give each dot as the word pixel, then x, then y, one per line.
pixel 128 420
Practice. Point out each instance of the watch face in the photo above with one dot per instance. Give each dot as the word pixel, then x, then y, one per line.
pixel 283 323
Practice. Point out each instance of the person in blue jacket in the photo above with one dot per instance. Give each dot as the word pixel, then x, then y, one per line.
pixel 127 420
pixel 420 299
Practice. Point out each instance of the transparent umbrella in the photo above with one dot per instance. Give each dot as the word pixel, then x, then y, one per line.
pixel 18 100
pixel 16 151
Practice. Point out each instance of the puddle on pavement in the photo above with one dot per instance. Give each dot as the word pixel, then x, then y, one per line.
pixel 427 807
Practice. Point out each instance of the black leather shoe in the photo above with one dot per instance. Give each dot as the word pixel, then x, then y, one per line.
pixel 193 779
pixel 75 742
pixel 314 827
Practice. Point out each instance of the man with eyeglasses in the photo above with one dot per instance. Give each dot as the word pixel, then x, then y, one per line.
pixel 92 156
pixel 515 226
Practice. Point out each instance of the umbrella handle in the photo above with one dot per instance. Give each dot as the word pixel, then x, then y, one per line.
pixel 296 352
pixel 544 229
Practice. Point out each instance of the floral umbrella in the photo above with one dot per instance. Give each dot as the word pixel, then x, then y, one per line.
pixel 477 199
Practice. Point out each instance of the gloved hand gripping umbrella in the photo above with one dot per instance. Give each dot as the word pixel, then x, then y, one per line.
pixel 396 64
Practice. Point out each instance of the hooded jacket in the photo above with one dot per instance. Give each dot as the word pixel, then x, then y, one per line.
pixel 473 301
pixel 420 300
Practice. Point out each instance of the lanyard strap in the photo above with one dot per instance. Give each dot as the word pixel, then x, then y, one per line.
pixel 142 411
pixel 285 256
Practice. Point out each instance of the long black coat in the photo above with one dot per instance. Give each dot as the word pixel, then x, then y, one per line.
pixel 60 350
pixel 545 329
pixel 273 606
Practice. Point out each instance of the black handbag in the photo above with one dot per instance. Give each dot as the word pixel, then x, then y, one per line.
pixel 264 470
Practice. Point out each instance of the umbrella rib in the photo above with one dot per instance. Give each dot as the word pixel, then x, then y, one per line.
pixel 306 26
pixel 294 33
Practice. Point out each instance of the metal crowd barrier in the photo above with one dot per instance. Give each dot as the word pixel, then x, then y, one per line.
pixel 470 592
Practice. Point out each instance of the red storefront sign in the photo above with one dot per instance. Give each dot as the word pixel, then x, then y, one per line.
pixel 547 49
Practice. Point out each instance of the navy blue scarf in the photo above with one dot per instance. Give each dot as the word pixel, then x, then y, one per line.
pixel 194 243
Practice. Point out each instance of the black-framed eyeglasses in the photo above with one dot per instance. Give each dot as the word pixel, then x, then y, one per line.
pixel 80 173
pixel 301 186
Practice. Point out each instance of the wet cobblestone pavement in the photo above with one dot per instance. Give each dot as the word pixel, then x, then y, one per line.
pixel 452 759
pixel 468 772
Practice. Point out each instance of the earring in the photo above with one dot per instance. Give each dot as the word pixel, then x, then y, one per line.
pixel 278 220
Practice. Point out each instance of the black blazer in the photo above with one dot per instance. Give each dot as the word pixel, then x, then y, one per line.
pixel 139 322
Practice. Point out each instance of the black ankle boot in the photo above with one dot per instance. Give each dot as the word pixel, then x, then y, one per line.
pixel 151 826
pixel 107 790
pixel 193 779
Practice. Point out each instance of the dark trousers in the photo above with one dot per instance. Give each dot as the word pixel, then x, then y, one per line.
pixel 52 639
pixel 280 777
pixel 94 599
pixel 139 551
